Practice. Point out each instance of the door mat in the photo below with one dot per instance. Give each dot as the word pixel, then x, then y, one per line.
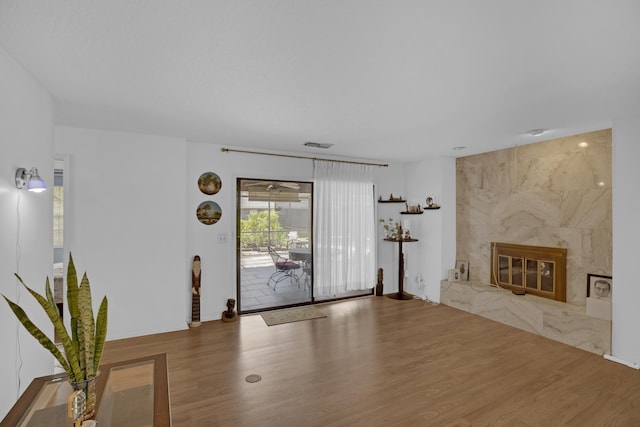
pixel 291 315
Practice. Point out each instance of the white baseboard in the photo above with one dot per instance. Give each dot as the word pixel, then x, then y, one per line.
pixel 621 361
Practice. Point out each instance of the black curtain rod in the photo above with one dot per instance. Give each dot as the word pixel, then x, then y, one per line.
pixel 226 150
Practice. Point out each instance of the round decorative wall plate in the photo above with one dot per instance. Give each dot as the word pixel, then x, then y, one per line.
pixel 209 212
pixel 209 183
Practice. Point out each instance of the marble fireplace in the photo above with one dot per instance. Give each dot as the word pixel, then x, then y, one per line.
pixel 553 194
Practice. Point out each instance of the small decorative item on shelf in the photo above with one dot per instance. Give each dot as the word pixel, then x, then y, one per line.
pixel 431 204
pixel 415 209
pixel 412 209
pixel 391 199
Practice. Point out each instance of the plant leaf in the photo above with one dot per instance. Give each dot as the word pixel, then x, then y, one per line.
pixel 49 295
pixel 39 335
pixel 72 302
pixel 87 334
pixel 72 288
pixel 101 333
pixel 83 349
pixel 54 316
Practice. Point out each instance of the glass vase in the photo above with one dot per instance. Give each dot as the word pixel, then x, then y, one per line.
pixel 89 389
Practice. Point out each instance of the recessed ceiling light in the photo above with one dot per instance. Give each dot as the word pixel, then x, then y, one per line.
pixel 535 132
pixel 317 145
pixel 459 148
pixel 583 144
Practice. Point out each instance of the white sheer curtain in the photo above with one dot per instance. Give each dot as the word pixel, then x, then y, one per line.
pixel 344 228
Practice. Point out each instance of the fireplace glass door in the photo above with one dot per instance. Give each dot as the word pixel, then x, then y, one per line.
pixel 535 269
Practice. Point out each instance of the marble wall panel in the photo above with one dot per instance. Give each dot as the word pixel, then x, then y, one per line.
pixel 455 296
pixel 503 308
pixel 555 320
pixel 589 208
pixel 588 333
pixel 601 249
pixel 553 193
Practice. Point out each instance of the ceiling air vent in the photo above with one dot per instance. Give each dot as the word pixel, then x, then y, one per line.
pixel 317 145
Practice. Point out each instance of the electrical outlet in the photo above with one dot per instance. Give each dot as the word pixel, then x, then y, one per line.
pixel 222 237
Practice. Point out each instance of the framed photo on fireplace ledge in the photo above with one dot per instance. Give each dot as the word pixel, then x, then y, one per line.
pixel 463 266
pixel 599 286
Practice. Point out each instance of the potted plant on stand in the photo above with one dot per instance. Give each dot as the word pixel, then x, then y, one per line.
pixel 83 346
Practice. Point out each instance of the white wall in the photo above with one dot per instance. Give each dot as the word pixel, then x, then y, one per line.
pixel 218 260
pixel 625 341
pixel 435 252
pixel 133 228
pixel 218 280
pixel 125 225
pixel 26 140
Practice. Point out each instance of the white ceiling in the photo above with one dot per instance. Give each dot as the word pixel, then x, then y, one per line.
pixel 393 80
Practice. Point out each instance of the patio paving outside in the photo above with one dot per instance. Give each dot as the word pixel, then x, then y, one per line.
pixel 255 270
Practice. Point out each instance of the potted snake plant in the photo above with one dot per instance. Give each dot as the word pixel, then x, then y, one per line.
pixel 83 346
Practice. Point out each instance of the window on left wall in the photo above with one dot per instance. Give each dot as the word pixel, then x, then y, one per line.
pixel 58 235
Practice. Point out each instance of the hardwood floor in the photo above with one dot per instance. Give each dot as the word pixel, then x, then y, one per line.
pixel 375 361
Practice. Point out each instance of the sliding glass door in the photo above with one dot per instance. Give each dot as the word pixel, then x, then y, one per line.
pixel 275 245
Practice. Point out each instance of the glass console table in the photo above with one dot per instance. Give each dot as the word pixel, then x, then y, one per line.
pixel 129 393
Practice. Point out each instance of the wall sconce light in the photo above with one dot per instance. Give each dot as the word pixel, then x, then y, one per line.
pixel 31 179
